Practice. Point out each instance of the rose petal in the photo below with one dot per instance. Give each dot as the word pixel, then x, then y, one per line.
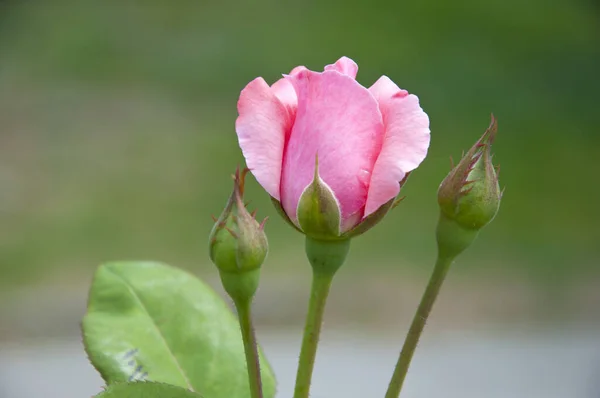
pixel 339 120
pixel 261 127
pixel 284 91
pixel 345 66
pixel 404 146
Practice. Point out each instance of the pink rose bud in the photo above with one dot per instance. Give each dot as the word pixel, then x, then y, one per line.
pixel 366 140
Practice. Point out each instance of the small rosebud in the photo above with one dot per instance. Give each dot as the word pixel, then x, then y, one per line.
pixel 238 244
pixel 470 194
pixel 469 197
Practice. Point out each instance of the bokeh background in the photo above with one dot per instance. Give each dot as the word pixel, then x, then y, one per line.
pixel 117 141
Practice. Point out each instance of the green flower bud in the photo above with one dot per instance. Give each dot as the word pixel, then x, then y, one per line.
pixel 238 245
pixel 470 195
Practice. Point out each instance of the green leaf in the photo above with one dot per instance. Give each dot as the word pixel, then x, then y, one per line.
pixel 152 322
pixel 146 390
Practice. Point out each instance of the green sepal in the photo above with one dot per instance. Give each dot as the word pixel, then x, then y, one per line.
pixel 370 221
pixel 283 214
pixel 374 218
pixel 318 212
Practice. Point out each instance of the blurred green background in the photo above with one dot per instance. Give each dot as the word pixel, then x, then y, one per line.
pixel 117 129
pixel 117 142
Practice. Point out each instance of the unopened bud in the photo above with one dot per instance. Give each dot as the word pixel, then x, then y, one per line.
pixel 470 194
pixel 238 244
pixel 469 197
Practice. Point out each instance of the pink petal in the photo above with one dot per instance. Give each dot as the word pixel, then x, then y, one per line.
pixel 261 127
pixel 340 120
pixel 284 91
pixel 345 66
pixel 405 143
pixel 384 89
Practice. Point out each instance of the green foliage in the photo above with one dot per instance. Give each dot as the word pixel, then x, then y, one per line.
pixel 146 390
pixel 149 321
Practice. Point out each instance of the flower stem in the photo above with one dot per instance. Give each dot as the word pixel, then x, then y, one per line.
pixel 243 308
pixel 325 257
pixel 318 296
pixel 418 323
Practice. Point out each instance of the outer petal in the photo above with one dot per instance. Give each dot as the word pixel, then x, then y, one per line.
pixel 345 66
pixel 340 120
pixel 405 143
pixel 261 127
